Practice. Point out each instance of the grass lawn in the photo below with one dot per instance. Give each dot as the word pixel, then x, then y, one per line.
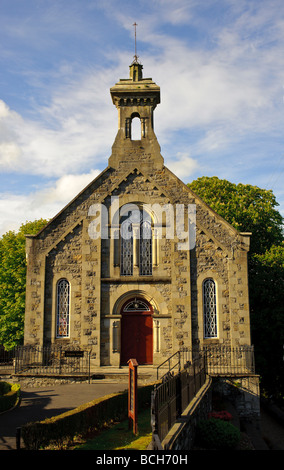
pixel 120 437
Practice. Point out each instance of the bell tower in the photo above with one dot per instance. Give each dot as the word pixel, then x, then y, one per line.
pixel 135 97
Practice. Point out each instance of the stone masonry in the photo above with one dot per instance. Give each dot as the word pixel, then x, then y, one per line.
pixel 64 249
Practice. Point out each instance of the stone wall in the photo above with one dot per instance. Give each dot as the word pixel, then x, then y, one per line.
pixel 243 393
pixel 181 435
pixel 65 249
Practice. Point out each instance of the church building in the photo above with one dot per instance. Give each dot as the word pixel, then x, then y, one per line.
pixel 136 265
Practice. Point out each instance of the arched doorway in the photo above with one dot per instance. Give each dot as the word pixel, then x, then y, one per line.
pixel 137 331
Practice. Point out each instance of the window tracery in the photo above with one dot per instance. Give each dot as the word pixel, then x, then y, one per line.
pixel 126 262
pixel 209 309
pixel 136 243
pixel 136 305
pixel 145 264
pixel 63 307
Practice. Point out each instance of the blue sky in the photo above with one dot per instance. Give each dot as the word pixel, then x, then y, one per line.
pixel 219 65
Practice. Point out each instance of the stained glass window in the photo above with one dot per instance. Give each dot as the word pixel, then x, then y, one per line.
pixel 126 262
pixel 145 261
pixel 63 305
pixel 209 309
pixel 136 243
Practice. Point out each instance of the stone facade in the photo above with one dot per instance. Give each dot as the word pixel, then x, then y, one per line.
pixel 68 248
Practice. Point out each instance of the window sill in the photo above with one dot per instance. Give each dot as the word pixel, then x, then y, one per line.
pixel 132 279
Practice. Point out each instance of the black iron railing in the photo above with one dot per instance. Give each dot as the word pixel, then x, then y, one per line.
pixel 51 360
pixel 220 360
pixel 224 360
pixel 183 374
pixel 175 363
pixel 7 360
pixel 174 393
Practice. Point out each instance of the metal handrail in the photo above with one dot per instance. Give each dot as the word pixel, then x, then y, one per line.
pixel 170 368
pixel 221 360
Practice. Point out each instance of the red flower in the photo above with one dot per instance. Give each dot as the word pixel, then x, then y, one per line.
pixel 225 415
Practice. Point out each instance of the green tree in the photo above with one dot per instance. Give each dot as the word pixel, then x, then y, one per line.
pixel 267 318
pixel 246 207
pixel 13 283
pixel 252 209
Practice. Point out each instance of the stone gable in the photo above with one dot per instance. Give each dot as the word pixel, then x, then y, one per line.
pixel 173 289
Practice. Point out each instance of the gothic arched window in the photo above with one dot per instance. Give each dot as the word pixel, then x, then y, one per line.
pixel 63 307
pixel 209 309
pixel 136 243
pixel 126 248
pixel 145 248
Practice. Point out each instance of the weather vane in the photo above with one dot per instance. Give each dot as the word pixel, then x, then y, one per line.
pixel 135 56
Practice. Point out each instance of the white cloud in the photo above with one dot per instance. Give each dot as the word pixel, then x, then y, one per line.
pixel 207 90
pixel 222 90
pixel 69 135
pixel 45 203
pixel 217 92
pixel 10 150
pixel 182 166
pixel 64 189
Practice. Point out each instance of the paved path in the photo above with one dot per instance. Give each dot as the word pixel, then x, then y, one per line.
pixel 39 403
pixel 43 402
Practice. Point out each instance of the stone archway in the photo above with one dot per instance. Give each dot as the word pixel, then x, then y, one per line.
pixel 137 331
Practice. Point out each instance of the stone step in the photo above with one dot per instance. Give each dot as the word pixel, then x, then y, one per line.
pixel 144 373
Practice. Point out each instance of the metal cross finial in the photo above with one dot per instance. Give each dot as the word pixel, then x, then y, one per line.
pixel 135 56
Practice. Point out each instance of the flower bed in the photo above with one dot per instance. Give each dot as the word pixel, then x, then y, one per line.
pixel 224 415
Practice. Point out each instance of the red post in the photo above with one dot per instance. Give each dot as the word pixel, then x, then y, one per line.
pixel 132 394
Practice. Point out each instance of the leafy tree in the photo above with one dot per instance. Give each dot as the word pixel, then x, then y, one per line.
pixel 267 318
pixel 251 209
pixel 13 283
pixel 246 207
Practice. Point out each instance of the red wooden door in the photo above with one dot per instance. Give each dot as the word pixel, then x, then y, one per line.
pixel 137 332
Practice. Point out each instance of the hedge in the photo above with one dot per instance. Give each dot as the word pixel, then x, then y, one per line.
pixel 9 395
pixel 217 434
pixel 90 416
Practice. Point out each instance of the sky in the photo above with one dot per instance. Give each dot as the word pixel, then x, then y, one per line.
pixel 219 64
